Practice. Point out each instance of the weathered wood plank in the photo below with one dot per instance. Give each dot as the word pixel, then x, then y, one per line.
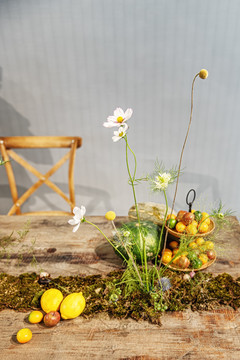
pixel 61 252
pixel 187 335
pixel 183 335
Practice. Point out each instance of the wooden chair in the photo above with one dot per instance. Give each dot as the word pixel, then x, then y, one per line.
pixel 30 142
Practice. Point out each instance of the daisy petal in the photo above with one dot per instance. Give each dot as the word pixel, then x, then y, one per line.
pixel 118 112
pixel 110 124
pixel 128 114
pixel 115 138
pixel 76 227
pixel 83 210
pixel 76 211
pixel 73 222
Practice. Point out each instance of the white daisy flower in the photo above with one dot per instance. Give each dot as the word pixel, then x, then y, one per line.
pixel 118 118
pixel 78 217
pixel 120 133
pixel 162 180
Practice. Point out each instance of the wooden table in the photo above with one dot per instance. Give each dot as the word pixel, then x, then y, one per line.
pixel 59 251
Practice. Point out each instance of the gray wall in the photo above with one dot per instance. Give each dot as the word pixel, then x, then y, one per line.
pixel 67 64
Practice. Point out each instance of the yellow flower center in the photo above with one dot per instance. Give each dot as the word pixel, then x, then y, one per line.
pixel 120 119
pixel 121 134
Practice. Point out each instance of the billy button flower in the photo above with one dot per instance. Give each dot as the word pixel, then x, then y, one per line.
pixel 110 215
pixel 203 74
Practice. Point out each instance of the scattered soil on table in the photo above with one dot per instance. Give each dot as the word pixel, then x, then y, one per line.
pixel 105 294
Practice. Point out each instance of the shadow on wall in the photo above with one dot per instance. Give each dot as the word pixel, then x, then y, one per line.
pixel 204 185
pixel 12 123
pixel 90 198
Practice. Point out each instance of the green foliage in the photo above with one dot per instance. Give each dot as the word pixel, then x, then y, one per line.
pixel 106 294
pixel 133 238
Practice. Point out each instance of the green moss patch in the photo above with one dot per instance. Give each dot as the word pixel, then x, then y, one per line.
pixel 106 294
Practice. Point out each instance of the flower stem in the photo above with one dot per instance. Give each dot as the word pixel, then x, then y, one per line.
pixel 132 178
pixel 162 229
pixel 142 238
pixel 129 254
pixel 180 160
pixel 90 223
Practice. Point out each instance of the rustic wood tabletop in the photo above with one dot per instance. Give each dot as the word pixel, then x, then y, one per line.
pixel 59 251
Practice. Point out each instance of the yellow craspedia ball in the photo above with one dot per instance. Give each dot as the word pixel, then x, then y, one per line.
pixel 110 215
pixel 203 74
pixel 51 300
pixel 72 306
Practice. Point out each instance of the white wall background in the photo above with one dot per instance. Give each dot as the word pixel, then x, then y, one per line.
pixel 65 65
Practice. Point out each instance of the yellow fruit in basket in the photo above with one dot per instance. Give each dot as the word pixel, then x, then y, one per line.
pixel 192 245
pixel 203 227
pixel 175 251
pixel 167 251
pixel 205 218
pixel 175 261
pixel 173 244
pixel 200 241
pixel 191 229
pixel 203 258
pixel 51 300
pixel 171 216
pixel 194 223
pixel 72 306
pixel 209 245
pixel 180 227
pixel 193 211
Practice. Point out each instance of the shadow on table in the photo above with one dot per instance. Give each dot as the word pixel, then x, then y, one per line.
pixel 106 253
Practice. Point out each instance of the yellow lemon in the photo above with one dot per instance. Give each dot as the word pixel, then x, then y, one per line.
pixel 51 300
pixel 24 335
pixel 35 317
pixel 72 306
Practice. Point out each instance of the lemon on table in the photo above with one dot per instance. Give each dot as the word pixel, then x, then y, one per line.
pixel 24 335
pixel 51 300
pixel 35 317
pixel 72 306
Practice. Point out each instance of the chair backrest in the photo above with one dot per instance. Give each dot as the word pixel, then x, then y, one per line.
pixel 7 144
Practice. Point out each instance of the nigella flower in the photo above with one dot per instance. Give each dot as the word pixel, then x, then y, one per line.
pixel 120 133
pixel 118 118
pixel 162 180
pixel 78 217
pixel 165 284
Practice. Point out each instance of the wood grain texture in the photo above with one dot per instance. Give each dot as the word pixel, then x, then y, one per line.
pixel 187 335
pixel 183 335
pixel 61 252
